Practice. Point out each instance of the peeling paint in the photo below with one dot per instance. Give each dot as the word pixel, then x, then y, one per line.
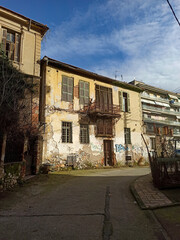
pixel 92 154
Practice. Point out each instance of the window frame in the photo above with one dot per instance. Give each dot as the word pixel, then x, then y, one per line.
pixel 13 53
pixel 84 134
pixel 104 98
pixel 127 135
pixel 83 99
pixel 67 135
pixel 67 94
pixel 124 101
pixel 104 127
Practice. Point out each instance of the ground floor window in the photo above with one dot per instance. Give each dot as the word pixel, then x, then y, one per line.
pixel 67 132
pixel 127 135
pixel 84 133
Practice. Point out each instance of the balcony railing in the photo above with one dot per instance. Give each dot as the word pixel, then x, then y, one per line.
pixel 161 110
pixel 105 109
pixel 155 98
pixel 175 104
pixel 165 122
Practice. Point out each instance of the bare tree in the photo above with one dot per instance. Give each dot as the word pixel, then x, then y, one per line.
pixel 16 105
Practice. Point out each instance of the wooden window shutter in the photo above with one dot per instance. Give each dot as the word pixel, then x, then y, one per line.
pixel 128 102
pixel 86 92
pixel 67 88
pixel 4 35
pixel 17 47
pixel 121 100
pixel 83 92
pixel 97 95
pixel 70 89
pixel 64 88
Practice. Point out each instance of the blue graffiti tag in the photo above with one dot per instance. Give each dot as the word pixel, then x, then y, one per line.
pixel 120 147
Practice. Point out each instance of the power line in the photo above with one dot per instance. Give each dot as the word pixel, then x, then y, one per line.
pixel 176 89
pixel 173 12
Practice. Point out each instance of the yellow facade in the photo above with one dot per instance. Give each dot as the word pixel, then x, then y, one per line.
pixel 56 111
pixel 30 33
pixel 20 40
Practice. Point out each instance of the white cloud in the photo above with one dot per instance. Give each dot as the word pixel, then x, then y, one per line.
pixel 136 38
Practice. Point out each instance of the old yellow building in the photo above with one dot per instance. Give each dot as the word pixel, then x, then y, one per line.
pixel 88 119
pixel 20 40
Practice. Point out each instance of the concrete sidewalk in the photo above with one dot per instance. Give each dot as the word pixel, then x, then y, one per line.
pixel 147 196
pixel 164 208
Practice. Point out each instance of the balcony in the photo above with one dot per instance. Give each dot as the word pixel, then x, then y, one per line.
pixel 106 110
pixel 163 100
pixel 175 104
pixel 176 132
pixel 164 122
pixel 160 110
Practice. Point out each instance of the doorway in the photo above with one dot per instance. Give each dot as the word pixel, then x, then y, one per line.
pixel 108 153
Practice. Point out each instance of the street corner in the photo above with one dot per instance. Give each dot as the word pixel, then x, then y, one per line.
pixel 147 196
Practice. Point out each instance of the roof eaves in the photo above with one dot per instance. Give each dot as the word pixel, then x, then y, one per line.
pixel 44 27
pixel 95 76
pixel 155 89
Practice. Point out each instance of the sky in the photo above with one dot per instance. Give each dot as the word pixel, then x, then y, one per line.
pixel 121 39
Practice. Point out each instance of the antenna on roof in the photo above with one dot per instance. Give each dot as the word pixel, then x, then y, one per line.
pixel 115 75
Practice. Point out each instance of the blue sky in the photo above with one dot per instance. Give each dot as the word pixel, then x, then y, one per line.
pixel 123 38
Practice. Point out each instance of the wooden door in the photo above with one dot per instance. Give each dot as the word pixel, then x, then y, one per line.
pixel 108 152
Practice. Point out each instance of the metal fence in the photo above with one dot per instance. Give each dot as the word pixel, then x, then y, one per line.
pixel 165 172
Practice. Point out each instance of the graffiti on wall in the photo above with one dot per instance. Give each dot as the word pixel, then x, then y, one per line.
pixel 120 147
pixel 96 147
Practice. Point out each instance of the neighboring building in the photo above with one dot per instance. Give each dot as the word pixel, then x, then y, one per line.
pixel 161 114
pixel 20 39
pixel 89 119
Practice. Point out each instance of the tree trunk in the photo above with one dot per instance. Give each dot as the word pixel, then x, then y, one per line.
pixel 3 151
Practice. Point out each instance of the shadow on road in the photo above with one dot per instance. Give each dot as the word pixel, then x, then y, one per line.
pixel 87 204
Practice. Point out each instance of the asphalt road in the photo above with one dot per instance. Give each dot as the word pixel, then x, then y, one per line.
pixel 95 206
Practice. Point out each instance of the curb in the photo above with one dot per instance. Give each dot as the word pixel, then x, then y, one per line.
pixel 140 201
pixel 136 195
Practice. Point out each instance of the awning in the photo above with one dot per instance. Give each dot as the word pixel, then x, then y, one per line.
pixel 162 104
pixel 148 101
pixel 178 117
pixel 172 96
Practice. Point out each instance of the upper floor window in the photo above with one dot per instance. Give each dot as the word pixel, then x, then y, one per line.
pixel 83 92
pixel 104 99
pixel 11 44
pixel 67 88
pixel 124 101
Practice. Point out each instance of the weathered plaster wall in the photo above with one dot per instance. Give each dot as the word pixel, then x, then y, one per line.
pixel 56 152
